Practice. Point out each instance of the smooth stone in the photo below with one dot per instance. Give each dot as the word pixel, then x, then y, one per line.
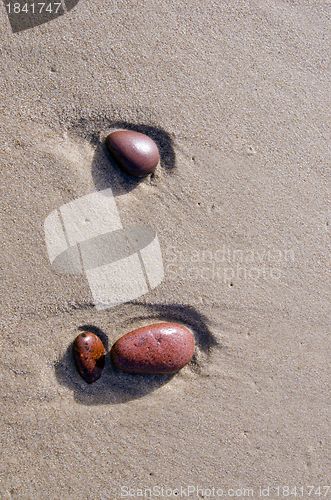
pixel 89 354
pixel 154 349
pixel 136 153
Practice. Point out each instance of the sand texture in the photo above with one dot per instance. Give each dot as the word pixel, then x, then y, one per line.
pixel 237 95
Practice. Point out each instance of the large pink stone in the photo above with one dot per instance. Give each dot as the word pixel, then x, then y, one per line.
pixel 154 349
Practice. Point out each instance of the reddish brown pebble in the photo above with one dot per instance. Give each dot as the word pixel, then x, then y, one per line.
pixel 136 153
pixel 89 354
pixel 154 349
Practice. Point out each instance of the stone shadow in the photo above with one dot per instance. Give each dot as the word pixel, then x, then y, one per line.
pixel 105 171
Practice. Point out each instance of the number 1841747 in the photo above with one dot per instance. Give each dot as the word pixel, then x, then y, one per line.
pixel 33 8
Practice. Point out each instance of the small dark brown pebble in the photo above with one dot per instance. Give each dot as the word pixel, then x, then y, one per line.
pixel 154 349
pixel 136 153
pixel 89 354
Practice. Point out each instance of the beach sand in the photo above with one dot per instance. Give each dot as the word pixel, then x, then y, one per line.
pixel 237 95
